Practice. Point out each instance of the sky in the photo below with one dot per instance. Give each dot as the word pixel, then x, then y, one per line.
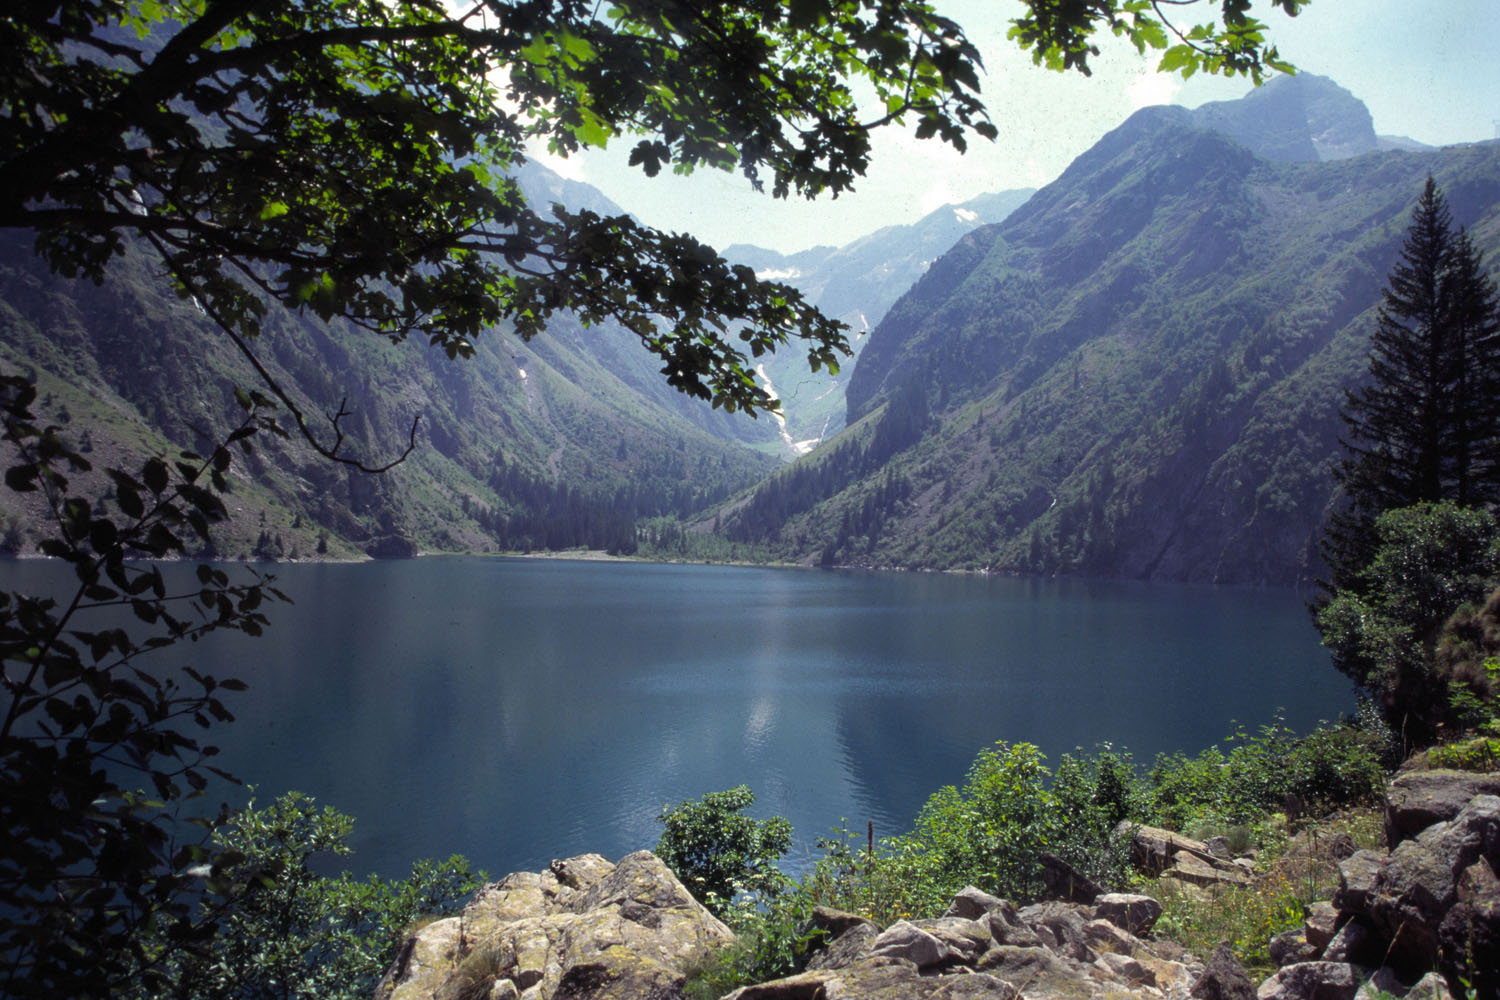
pixel 1426 70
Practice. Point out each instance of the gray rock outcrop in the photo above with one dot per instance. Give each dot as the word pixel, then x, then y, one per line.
pixel 1431 902
pixel 585 930
pixel 985 947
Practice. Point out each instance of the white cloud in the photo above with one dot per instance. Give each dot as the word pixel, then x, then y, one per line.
pixel 1150 88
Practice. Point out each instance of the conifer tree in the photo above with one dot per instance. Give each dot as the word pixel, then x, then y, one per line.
pixel 1425 427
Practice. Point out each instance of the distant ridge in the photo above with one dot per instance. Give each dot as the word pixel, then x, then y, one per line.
pixel 1137 374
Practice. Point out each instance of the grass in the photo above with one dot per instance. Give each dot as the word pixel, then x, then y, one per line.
pixel 1292 872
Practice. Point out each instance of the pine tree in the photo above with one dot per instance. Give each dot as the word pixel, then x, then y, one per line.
pixel 1425 427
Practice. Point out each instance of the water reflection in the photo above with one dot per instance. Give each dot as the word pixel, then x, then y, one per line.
pixel 520 710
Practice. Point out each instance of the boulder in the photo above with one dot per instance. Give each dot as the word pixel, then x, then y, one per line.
pixel 1065 883
pixel 1432 987
pixel 425 960
pixel 1104 936
pixel 1126 970
pixel 846 949
pixel 1320 925
pixel 1291 947
pixel 1060 926
pixel 1357 880
pixel 1418 799
pixel 907 941
pixel 1007 927
pixel 880 979
pixel 1134 913
pixel 1418 884
pixel 584 930
pixel 1469 936
pixel 1155 849
pixel 1192 869
pixel 1223 978
pixel 973 903
pixel 1311 981
pixel 1355 942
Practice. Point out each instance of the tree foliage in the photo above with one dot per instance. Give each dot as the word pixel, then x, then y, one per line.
pixel 1430 561
pixel 1425 426
pixel 352 158
pixel 718 852
pixel 289 932
pixel 97 748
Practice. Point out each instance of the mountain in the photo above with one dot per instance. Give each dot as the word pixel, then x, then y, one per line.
pixel 1138 373
pixel 1303 118
pixel 856 283
pixel 544 444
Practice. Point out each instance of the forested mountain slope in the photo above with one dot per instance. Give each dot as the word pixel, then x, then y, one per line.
pixel 1136 375
pixel 525 445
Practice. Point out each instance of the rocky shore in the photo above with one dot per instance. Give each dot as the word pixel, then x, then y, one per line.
pixel 1419 919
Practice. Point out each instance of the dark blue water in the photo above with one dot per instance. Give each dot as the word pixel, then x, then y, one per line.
pixel 521 710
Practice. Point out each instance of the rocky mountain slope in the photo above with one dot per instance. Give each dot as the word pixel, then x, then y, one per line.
pixel 857 284
pixel 526 445
pixel 1138 373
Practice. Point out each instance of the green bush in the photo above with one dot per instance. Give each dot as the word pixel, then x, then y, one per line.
pixel 990 833
pixel 771 941
pixel 1275 770
pixel 718 852
pixel 286 931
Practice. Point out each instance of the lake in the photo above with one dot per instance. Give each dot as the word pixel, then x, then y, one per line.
pixel 519 710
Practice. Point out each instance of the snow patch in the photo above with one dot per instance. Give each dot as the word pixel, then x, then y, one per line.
pixel 965 214
pixel 778 274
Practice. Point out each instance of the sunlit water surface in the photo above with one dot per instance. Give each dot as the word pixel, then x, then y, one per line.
pixel 518 710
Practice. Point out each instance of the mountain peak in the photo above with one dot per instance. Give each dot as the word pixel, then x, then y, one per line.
pixel 1293 119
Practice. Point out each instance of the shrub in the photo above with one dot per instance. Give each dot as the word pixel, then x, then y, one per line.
pixel 718 852
pixel 1274 770
pixel 990 833
pixel 771 942
pixel 286 931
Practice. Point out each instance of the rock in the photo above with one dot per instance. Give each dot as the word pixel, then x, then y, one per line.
pixel 1418 884
pixel 1431 987
pixel 846 949
pixel 1219 847
pixel 1036 971
pixel 905 940
pixel 1194 870
pixel 1342 846
pixel 1125 969
pixel 1357 880
pixel 1418 799
pixel 1007 927
pixel 973 903
pixel 837 923
pixel 585 930
pixel 1311 981
pixel 1134 913
pixel 1469 936
pixel 1065 883
pixel 1104 936
pixel 424 961
pixel 1290 947
pixel 1155 849
pixel 1060 926
pixel 1382 981
pixel 964 939
pixel 1320 925
pixel 877 979
pixel 581 872
pixel 1356 943
pixel 1223 978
